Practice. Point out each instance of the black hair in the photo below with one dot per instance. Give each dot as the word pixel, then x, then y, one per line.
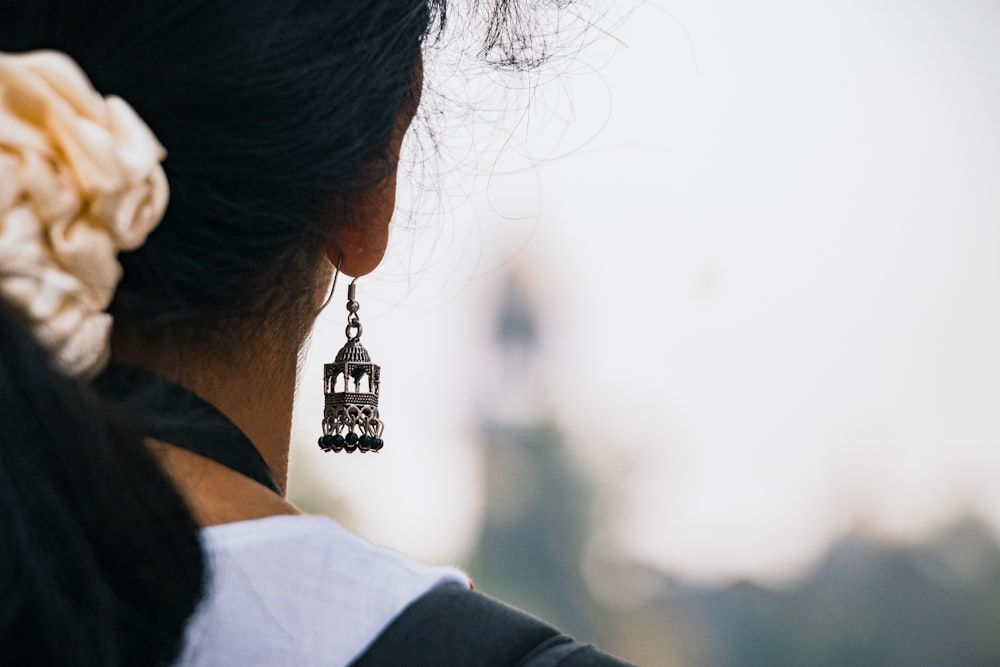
pixel 100 561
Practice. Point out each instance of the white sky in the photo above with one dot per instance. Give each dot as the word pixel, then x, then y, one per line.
pixel 767 260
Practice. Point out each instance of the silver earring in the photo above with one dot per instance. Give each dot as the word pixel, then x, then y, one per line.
pixel 350 419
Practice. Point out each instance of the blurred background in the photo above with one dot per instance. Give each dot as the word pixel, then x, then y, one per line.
pixel 690 337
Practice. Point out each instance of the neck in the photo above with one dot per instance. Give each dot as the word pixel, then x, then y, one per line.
pixel 253 386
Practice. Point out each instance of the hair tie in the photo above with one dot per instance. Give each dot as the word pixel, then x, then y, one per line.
pixel 80 181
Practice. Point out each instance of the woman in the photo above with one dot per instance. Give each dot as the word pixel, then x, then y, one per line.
pixel 144 514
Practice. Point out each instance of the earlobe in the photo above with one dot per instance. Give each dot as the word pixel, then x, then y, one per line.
pixel 359 247
pixel 361 236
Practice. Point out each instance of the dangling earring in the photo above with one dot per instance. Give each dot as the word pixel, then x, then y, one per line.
pixel 350 419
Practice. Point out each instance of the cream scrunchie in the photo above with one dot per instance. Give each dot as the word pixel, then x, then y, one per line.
pixel 80 180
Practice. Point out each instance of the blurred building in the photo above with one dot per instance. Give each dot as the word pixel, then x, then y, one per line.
pixel 539 505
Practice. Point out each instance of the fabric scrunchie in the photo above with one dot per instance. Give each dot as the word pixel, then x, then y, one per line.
pixel 80 181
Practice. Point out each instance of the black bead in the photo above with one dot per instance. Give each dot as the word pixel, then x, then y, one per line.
pixel 338 442
pixel 326 442
pixel 352 438
pixel 376 444
pixel 365 443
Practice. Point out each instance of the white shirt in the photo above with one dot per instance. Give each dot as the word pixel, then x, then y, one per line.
pixel 299 591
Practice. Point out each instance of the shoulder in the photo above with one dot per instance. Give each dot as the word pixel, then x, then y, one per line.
pixel 300 590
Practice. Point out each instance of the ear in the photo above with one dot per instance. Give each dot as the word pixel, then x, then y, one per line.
pixel 358 244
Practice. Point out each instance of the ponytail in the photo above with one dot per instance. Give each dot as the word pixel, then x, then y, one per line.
pixel 100 559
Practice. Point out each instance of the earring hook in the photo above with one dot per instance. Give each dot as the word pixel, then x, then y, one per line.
pixel 336 274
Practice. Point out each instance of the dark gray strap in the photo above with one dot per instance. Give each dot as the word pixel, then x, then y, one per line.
pixel 563 651
pixel 451 626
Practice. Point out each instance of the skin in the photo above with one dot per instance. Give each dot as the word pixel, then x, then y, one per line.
pixel 255 386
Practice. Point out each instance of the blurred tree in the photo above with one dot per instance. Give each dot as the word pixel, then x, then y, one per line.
pixel 869 603
pixel 536 523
